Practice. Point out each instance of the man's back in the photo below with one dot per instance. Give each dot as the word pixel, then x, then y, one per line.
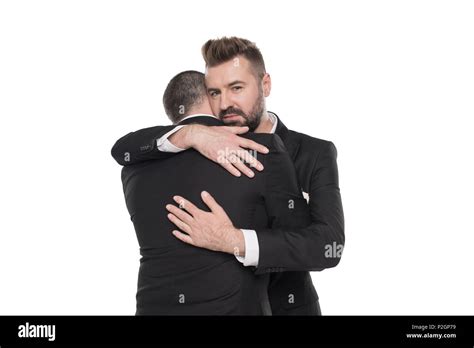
pixel 177 278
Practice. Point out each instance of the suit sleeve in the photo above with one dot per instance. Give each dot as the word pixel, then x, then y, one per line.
pixel 287 210
pixel 318 245
pixel 140 146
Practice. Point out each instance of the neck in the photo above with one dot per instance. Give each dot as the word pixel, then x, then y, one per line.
pixel 199 112
pixel 265 125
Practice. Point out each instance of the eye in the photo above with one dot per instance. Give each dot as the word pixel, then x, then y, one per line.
pixel 237 88
pixel 213 94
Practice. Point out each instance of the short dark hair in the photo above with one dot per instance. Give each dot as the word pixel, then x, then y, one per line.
pixel 221 50
pixel 184 91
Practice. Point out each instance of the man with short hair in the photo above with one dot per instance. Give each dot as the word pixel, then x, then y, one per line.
pixel 179 279
pixel 236 82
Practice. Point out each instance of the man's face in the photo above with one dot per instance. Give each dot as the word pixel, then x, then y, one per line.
pixel 235 93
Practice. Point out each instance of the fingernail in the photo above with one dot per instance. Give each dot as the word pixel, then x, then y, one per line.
pixel 204 193
pixel 251 174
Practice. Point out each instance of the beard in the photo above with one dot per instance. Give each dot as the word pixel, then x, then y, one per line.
pixel 251 120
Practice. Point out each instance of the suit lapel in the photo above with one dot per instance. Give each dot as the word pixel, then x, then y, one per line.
pixel 291 144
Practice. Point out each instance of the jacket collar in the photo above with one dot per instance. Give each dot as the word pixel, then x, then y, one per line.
pixel 291 145
pixel 206 120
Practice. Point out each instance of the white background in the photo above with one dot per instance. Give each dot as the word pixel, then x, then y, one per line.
pixel 391 83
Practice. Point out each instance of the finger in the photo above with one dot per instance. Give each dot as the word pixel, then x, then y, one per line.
pixel 237 163
pixel 252 145
pixel 180 224
pixel 230 168
pixel 211 203
pixel 180 214
pixel 249 159
pixel 183 237
pixel 187 205
pixel 236 130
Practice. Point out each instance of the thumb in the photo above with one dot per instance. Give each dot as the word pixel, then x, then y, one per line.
pixel 237 130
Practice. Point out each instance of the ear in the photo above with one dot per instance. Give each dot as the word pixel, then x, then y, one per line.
pixel 266 84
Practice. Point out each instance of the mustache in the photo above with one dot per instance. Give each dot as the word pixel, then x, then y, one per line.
pixel 230 111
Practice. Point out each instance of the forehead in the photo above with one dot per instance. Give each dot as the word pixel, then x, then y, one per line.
pixel 238 68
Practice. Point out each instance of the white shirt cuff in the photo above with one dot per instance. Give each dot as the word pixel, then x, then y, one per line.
pixel 251 249
pixel 164 145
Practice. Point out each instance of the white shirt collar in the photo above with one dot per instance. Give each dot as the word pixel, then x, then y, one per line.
pixel 274 120
pixel 197 115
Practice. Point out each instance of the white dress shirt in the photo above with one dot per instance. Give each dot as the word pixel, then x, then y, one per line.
pixel 252 250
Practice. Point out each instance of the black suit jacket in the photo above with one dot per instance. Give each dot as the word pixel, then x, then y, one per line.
pixel 287 253
pixel 179 279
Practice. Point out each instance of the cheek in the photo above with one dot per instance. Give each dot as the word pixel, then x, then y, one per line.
pixel 214 106
pixel 247 102
pixel 243 101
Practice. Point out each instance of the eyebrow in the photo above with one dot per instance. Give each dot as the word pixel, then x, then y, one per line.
pixel 233 83
pixel 236 83
pixel 209 90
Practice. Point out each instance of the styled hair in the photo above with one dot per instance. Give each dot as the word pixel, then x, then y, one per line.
pixel 183 92
pixel 221 50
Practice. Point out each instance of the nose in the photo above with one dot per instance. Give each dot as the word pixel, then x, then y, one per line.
pixel 224 101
